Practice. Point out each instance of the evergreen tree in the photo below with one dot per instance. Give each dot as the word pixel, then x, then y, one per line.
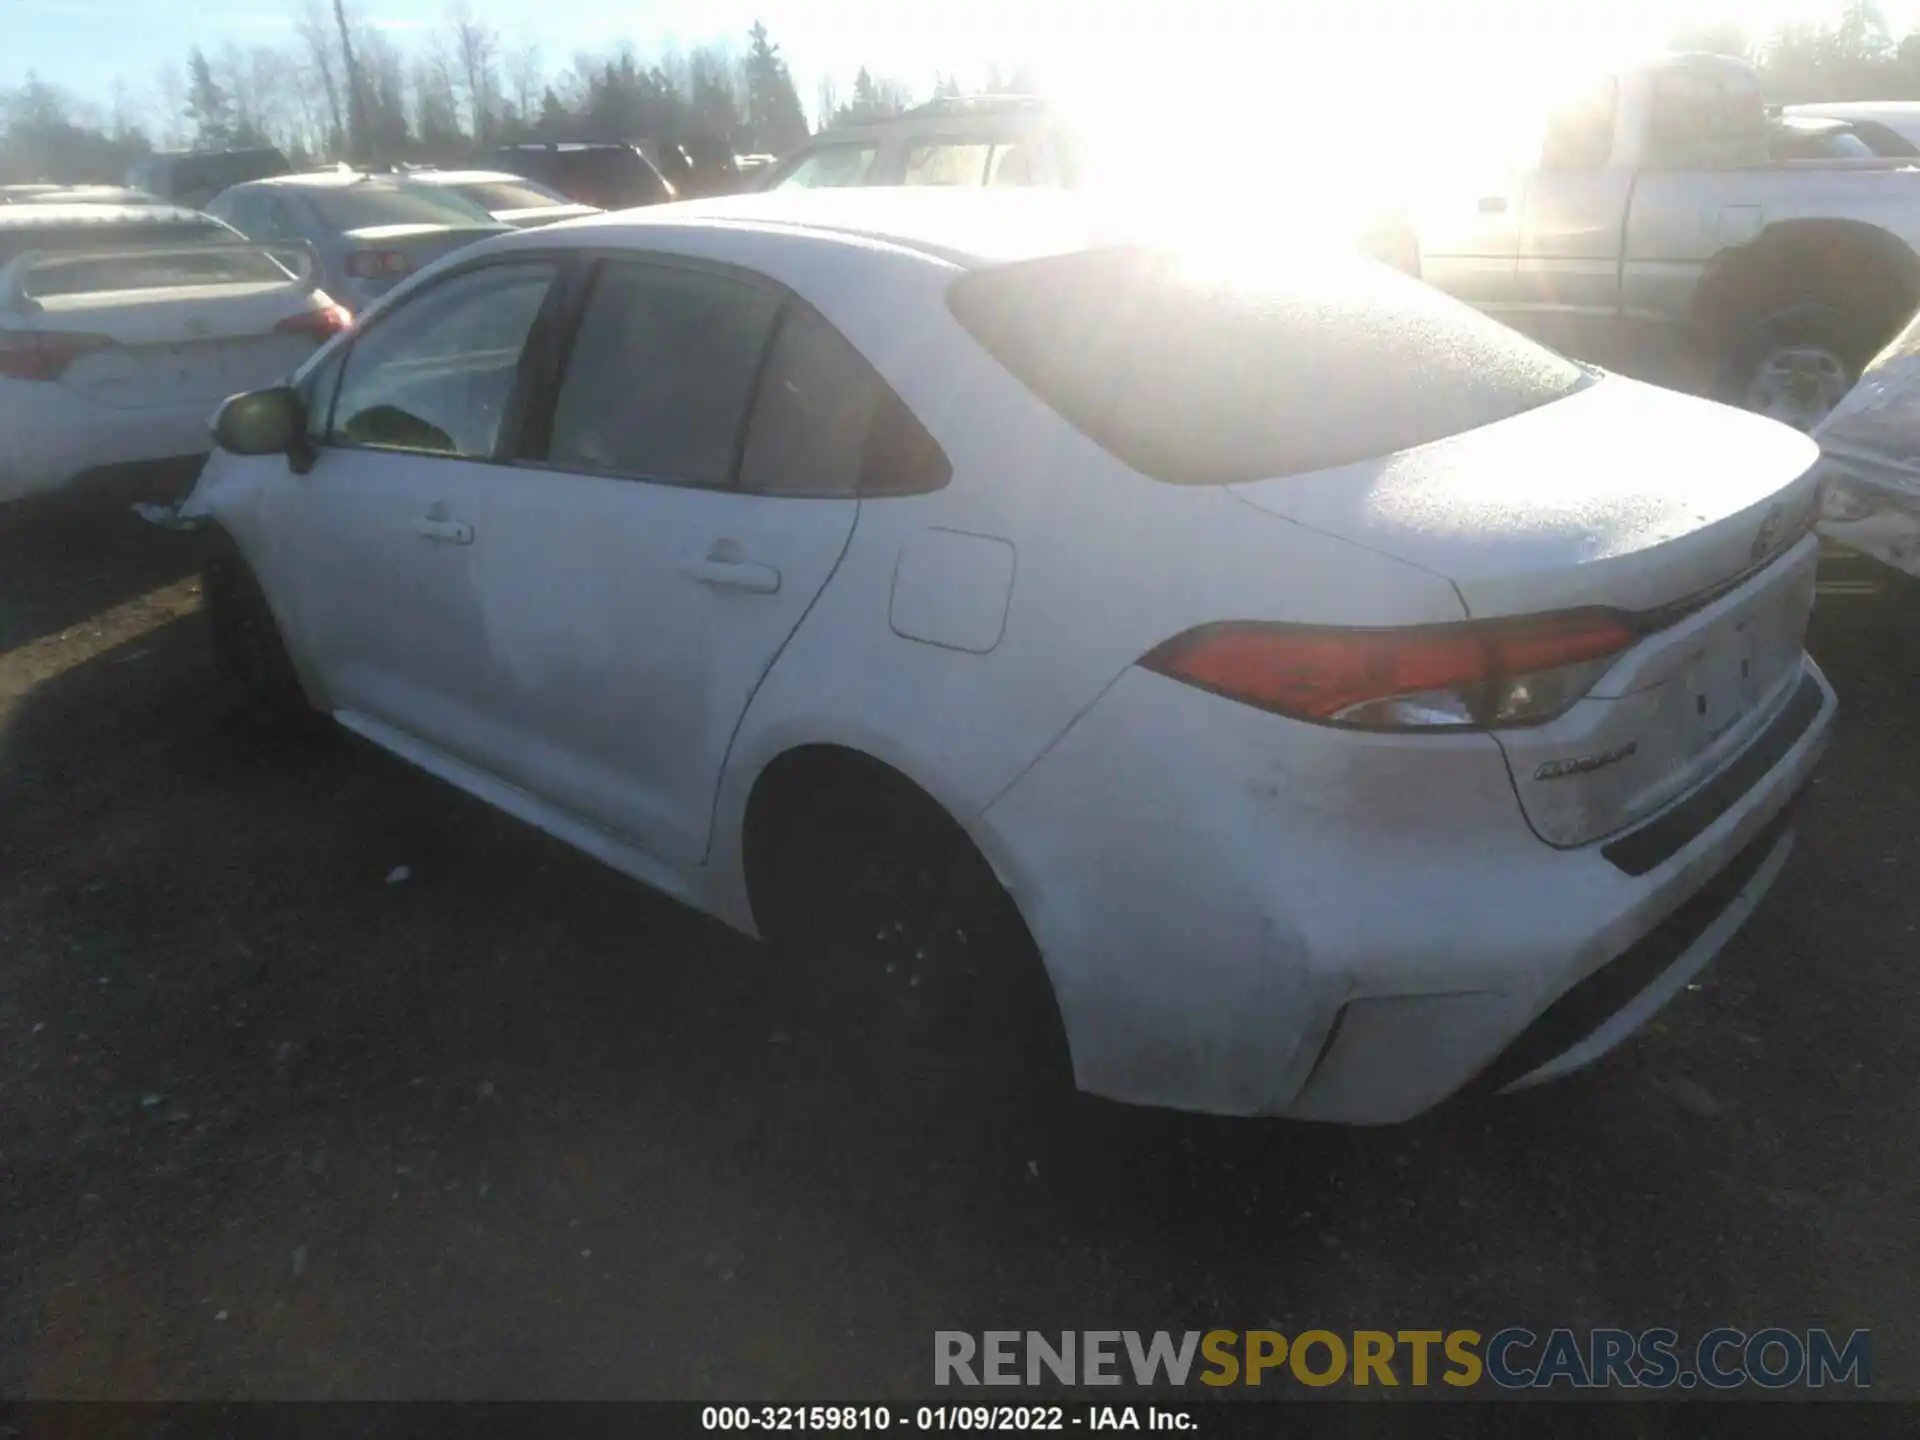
pixel 209 106
pixel 775 121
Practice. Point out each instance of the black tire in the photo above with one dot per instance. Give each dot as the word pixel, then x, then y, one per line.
pixel 1795 364
pixel 248 652
pixel 893 930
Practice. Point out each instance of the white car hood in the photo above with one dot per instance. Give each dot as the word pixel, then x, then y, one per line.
pixel 1621 494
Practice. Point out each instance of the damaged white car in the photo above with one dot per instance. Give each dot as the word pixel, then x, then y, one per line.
pixel 1870 459
pixel 1291 690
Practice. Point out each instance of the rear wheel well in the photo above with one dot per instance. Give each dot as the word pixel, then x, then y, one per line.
pixel 891 908
pixel 788 787
pixel 1866 279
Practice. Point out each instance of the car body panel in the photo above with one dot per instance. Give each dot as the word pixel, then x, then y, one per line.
pixel 163 354
pixel 1212 886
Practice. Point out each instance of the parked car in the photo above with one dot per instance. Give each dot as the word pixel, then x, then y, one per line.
pixel 1001 141
pixel 510 199
pixel 1873 120
pixel 43 194
pixel 193 177
pixel 1809 137
pixel 122 327
pixel 1033 628
pixel 611 177
pixel 367 231
pixel 1649 229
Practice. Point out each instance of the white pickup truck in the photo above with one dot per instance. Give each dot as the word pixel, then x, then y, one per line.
pixel 1645 226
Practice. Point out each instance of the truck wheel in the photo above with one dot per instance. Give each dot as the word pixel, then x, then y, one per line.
pixel 1795 365
pixel 247 649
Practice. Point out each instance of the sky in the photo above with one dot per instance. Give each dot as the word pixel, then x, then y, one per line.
pixel 1313 53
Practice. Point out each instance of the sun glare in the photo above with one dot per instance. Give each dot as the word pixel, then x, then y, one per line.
pixel 1335 115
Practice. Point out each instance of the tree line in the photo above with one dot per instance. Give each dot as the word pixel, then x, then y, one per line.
pixel 342 89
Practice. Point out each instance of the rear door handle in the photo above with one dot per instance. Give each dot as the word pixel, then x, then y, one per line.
pixel 736 574
pixel 447 532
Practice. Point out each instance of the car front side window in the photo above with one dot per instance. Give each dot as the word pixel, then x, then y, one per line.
pixel 437 374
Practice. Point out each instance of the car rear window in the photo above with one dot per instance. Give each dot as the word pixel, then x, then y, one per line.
pixel 360 207
pixel 1201 372
pixel 509 195
pixel 161 269
pixel 614 176
pixel 62 239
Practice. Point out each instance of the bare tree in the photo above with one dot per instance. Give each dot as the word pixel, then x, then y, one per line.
pixel 312 30
pixel 356 87
pixel 525 77
pixel 123 111
pixel 170 83
pixel 475 51
pixel 826 102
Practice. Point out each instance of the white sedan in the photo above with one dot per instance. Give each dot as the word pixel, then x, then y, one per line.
pixel 1294 691
pixel 122 327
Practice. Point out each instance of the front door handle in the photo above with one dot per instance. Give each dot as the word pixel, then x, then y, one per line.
pixel 735 574
pixel 447 532
pixel 1493 204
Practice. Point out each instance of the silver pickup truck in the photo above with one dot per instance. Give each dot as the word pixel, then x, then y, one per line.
pixel 1645 226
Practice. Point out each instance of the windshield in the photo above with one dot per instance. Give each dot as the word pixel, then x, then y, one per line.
pixel 359 207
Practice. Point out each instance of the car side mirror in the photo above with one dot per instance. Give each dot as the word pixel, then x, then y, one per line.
pixel 260 422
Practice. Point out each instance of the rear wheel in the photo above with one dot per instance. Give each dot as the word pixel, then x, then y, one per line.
pixel 1795 366
pixel 894 930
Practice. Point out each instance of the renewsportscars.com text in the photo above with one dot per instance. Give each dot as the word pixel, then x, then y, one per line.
pixel 1513 1358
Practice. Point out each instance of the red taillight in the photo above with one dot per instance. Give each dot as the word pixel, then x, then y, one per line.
pixel 1497 672
pixel 377 264
pixel 45 354
pixel 322 324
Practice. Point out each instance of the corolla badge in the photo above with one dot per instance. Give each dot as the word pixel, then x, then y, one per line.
pixel 1587 764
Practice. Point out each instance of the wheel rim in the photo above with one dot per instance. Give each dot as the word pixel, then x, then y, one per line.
pixel 1798 385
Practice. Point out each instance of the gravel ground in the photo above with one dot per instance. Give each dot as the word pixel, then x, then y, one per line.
pixel 275 1121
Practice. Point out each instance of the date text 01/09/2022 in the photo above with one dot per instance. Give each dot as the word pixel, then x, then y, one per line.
pixel 987 1419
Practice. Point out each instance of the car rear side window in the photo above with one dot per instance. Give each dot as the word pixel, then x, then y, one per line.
pixel 833 166
pixel 947 162
pixel 1214 373
pixel 660 373
pixel 826 425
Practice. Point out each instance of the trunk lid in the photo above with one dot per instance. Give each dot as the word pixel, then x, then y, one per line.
pixel 168 327
pixel 1691 516
pixel 420 243
pixel 544 215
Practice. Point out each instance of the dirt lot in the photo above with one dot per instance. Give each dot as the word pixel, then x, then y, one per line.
pixel 271 1125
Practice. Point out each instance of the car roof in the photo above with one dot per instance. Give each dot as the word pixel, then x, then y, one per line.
pixel 542 147
pixel 1860 109
pixel 323 180
pixel 464 177
pixel 43 215
pixel 967 226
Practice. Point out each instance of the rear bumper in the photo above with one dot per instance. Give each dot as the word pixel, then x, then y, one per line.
pixel 52 436
pixel 1245 916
